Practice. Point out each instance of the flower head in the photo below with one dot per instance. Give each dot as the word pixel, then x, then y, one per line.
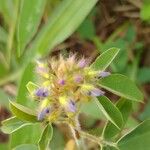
pixel 64 83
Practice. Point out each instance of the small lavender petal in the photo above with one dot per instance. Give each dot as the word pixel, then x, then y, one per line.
pixel 43 113
pixel 42 92
pixel 61 82
pixel 78 78
pixel 104 74
pixel 41 70
pixel 96 92
pixel 71 106
pixel 82 63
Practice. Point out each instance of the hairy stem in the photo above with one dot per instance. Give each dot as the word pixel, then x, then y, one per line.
pixel 84 135
pixel 74 136
pixel 98 140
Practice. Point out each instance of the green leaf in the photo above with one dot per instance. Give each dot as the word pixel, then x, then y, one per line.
pixel 108 148
pixel 21 136
pixel 105 59
pixel 87 25
pixel 125 107
pixel 29 19
pixel 23 112
pixel 6 7
pixel 12 124
pixel 46 137
pixel 121 86
pixel 63 22
pixel 143 75
pixel 90 109
pixel 137 139
pixel 4 98
pixel 4 146
pixel 59 137
pixel 3 35
pixel 145 114
pixel 27 135
pixel 26 147
pixel 110 111
pixel 145 13
pixel 27 75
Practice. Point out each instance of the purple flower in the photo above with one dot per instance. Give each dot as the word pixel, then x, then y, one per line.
pixel 78 78
pixel 96 92
pixel 61 82
pixel 42 92
pixel 43 113
pixel 104 74
pixel 82 63
pixel 71 106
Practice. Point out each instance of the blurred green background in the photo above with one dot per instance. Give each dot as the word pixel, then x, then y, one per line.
pixel 40 28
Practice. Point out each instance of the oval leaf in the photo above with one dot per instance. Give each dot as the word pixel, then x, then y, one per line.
pixel 137 139
pixel 110 111
pixel 27 75
pixel 125 107
pixel 23 112
pixel 144 13
pixel 12 124
pixel 46 137
pixel 108 148
pixel 105 59
pixel 121 86
pixel 4 36
pixel 29 134
pixel 29 20
pixel 90 109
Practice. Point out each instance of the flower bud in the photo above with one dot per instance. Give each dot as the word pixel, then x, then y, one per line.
pixel 71 106
pixel 96 92
pixel 103 74
pixel 42 92
pixel 78 78
pixel 82 63
pixel 42 114
pixel 61 82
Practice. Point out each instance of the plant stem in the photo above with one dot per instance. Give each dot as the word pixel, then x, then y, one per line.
pixel 98 140
pixel 74 135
